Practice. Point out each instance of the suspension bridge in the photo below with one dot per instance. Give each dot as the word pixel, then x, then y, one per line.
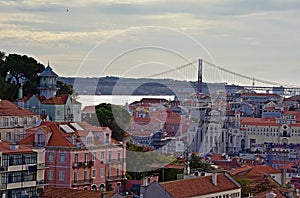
pixel 201 70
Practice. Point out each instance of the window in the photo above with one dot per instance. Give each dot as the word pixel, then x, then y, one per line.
pixel 94 156
pixel 109 172
pixel 89 140
pixel 119 155
pixel 75 177
pixel 118 171
pixel 76 158
pixel 85 175
pixel 101 172
pixel 57 112
pixel 86 157
pixel 106 138
pixel 25 120
pixel 29 158
pixel 50 174
pixel 109 156
pixel 50 157
pixel 40 139
pixel 16 120
pixel 102 156
pixel 8 135
pixel 94 173
pixel 61 176
pixel 61 157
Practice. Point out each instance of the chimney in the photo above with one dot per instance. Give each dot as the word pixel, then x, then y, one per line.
pixel 146 181
pixel 214 178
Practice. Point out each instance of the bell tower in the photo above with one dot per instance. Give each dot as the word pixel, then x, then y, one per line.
pixel 48 83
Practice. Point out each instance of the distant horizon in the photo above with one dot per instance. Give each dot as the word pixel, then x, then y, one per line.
pixel 139 38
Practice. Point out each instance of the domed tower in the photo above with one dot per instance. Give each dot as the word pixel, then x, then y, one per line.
pixel 48 83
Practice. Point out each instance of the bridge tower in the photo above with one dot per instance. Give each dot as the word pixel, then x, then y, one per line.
pixel 199 87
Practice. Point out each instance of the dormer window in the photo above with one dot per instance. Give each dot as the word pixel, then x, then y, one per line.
pixel 40 141
pixel 89 140
pixel 106 138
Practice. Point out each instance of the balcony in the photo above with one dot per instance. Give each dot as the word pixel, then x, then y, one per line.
pixel 10 125
pixel 116 178
pixel 88 164
pixel 82 182
pixel 75 165
pixel 69 116
pixel 41 166
pixel 3 168
pixel 3 186
pixel 284 135
pixel 41 182
pixel 116 161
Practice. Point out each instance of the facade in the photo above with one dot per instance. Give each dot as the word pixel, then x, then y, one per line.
pixel 22 170
pixel 14 120
pixel 62 108
pixel 80 156
pixel 258 100
pixel 48 83
pixel 215 185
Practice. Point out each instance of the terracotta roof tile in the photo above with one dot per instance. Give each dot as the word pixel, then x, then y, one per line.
pixel 89 109
pixel 8 108
pixel 70 193
pixel 4 147
pixel 199 186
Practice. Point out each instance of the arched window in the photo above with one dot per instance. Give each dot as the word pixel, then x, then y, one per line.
pixel 102 187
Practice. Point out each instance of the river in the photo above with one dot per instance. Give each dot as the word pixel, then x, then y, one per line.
pixel 88 100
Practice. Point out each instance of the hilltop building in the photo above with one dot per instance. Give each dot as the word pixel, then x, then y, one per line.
pixel 52 107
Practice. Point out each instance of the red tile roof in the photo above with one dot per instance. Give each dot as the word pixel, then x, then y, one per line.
pixel 199 186
pixel 263 194
pixel 8 108
pixel 70 193
pixel 4 148
pixel 55 100
pixel 89 109
pixel 253 171
pixel 258 122
pixel 59 138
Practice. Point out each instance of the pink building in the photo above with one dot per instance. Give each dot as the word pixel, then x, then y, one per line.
pixel 80 156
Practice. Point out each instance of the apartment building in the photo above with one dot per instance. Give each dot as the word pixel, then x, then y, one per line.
pixel 22 170
pixel 13 121
pixel 80 156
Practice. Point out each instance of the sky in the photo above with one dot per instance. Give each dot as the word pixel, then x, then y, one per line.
pixel 140 38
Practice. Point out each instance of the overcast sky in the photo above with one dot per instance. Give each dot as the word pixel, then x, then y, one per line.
pixel 141 37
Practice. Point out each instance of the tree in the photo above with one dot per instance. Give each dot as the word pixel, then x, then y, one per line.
pixel 64 88
pixel 2 59
pixel 3 88
pixel 22 67
pixel 114 117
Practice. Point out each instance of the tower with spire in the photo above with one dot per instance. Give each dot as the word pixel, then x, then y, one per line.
pixel 48 83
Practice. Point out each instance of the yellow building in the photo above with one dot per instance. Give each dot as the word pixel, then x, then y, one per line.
pixel 13 121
